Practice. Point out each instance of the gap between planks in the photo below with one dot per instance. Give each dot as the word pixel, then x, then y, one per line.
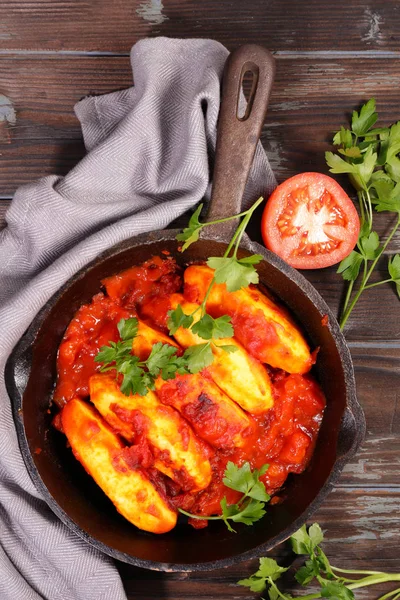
pixel 280 54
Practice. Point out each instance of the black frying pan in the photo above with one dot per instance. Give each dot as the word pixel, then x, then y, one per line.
pixel 31 371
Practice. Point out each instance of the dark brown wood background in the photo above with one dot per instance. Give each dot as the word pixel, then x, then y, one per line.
pixel 331 56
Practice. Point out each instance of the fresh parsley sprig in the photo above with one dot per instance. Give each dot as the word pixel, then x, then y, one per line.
pixel 233 271
pixel 139 376
pixel 334 582
pixel 370 156
pixel 250 508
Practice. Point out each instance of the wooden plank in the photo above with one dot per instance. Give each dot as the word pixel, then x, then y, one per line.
pixel 362 531
pixel 303 111
pixel 378 388
pixel 377 463
pixel 3 207
pixel 103 26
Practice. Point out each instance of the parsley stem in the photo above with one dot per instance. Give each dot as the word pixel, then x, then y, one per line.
pixel 237 236
pixel 188 514
pixel 368 275
pixel 368 206
pixel 233 240
pixel 392 593
pixel 354 572
pixel 225 219
pixel 208 292
pixel 278 591
pixel 371 285
pixel 244 223
pixel 361 204
pixel 374 579
pixel 348 295
pixel 364 582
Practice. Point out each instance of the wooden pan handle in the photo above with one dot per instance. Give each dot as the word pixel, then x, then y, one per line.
pixel 237 136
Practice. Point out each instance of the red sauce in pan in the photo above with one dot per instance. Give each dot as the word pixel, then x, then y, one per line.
pixel 283 437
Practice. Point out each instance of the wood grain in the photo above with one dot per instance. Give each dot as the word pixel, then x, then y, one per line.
pixel 103 26
pixel 362 531
pixel 310 99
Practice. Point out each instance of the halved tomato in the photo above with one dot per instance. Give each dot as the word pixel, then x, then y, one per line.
pixel 310 221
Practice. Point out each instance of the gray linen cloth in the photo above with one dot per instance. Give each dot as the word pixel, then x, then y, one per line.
pixel 147 163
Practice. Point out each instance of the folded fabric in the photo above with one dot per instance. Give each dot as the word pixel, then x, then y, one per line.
pixel 149 149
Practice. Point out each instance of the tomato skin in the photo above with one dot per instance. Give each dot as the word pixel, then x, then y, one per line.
pixel 294 247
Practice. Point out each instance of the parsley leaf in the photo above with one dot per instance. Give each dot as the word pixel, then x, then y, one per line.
pixel 394 271
pixel 362 122
pixel 228 347
pixel 392 168
pixel 306 573
pixel 238 478
pixel 256 584
pixel 198 357
pixel 177 318
pixel 343 137
pixel 268 571
pixel 250 507
pixel 394 267
pixel 367 166
pixel 191 233
pixel 350 266
pixel 338 164
pixel 107 354
pixel 209 328
pixel 243 479
pixel 337 590
pixel 235 273
pixel 316 535
pixel 389 202
pixel 139 376
pixel 301 543
pixel 250 513
pixel 369 246
pixel 270 568
pixel 128 328
pixel 163 359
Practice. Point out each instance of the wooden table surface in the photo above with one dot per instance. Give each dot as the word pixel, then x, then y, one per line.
pixel 331 56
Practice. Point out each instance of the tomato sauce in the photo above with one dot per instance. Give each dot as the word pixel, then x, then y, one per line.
pixel 284 436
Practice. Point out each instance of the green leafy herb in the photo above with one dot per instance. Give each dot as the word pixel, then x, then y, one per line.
pixel 139 376
pixel 228 348
pixel 191 233
pixel 233 271
pixel 333 582
pixel 350 266
pixel 198 357
pixel 370 157
pixel 209 328
pixel 363 121
pixel 177 318
pixel 250 507
pixel 394 271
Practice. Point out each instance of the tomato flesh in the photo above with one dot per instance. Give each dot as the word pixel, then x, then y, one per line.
pixel 310 222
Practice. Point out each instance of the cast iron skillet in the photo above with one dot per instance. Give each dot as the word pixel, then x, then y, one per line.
pixel 31 372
